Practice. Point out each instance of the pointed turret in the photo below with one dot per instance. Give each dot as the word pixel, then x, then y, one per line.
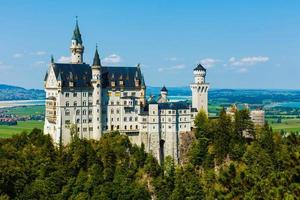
pixel 96 61
pixel 77 47
pixel 52 59
pixel 76 33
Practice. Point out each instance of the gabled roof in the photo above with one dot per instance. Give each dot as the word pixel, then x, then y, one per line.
pixel 128 75
pixel 79 74
pixel 199 68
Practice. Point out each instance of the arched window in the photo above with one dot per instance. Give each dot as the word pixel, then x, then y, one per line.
pixel 125 127
pixel 78 121
pixel 77 112
pixel 67 112
pixel 136 127
pixel 67 104
pixel 84 103
pixel 130 127
pixel 75 103
pixel 84 112
pixel 112 111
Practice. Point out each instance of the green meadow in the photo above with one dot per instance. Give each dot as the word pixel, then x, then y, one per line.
pixel 287 125
pixel 8 131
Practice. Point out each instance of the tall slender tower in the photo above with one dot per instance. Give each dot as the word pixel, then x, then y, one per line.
pixel 96 83
pixel 200 89
pixel 77 47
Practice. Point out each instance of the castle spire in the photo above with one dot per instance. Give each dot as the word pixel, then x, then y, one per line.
pixel 52 59
pixel 96 61
pixel 76 33
pixel 77 47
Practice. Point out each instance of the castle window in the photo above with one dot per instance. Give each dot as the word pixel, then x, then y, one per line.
pixel 118 127
pixel 67 112
pixel 125 127
pixel 84 121
pixel 118 119
pixel 84 94
pixel 169 120
pixel 130 119
pixel 90 128
pixel 118 111
pixel 84 112
pixel 77 112
pixel 153 120
pixel 125 94
pixel 118 103
pixel 112 111
pixel 90 120
pixel 90 112
pixel 130 127
pixel 169 111
pixel 90 94
pixel 67 104
pixel 112 127
pixel 112 119
pixel 67 122
pixel 75 103
pixel 75 94
pixel 136 127
pixel 112 103
pixel 67 94
pixel 90 103
pixel 125 102
pixel 125 119
pixel 78 121
pixel 136 119
pixel 144 119
pixel 84 129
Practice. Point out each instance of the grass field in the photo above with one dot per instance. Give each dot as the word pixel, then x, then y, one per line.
pixel 286 124
pixel 27 110
pixel 8 131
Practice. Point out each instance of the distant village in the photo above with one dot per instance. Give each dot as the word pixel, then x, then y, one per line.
pixel 9 119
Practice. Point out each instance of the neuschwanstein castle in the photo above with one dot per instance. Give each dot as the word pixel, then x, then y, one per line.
pixel 96 99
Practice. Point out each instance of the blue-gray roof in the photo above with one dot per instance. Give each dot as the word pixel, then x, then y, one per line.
pixel 174 105
pixel 200 68
pixel 81 75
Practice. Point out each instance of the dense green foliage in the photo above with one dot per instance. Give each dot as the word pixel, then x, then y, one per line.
pixel 229 159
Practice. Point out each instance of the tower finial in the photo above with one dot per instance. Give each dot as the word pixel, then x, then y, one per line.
pixel 52 58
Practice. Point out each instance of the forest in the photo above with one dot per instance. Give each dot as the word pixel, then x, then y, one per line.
pixel 228 158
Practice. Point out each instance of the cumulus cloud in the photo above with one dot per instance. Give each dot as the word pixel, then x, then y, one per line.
pixel 64 59
pixel 247 61
pixel 175 67
pixel 112 59
pixel 208 62
pixel 18 55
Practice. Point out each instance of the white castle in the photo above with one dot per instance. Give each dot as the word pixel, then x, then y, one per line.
pixel 98 99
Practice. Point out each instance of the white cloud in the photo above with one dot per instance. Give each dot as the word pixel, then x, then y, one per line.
pixel 208 62
pixel 175 67
pixel 112 59
pixel 18 55
pixel 40 53
pixel 64 59
pixel 172 59
pixel 247 61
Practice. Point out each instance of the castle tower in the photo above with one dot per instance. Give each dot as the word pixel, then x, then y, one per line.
pixel 163 95
pixel 96 83
pixel 200 89
pixel 77 47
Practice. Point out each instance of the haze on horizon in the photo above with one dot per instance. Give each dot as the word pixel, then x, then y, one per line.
pixel 243 44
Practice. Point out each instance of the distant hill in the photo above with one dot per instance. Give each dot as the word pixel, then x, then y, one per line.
pixel 9 92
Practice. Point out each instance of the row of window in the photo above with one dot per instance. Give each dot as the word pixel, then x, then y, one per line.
pixel 112 111
pixel 84 112
pixel 84 94
pixel 130 119
pixel 84 103
pixel 125 127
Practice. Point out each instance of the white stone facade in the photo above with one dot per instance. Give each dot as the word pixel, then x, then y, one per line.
pixel 93 100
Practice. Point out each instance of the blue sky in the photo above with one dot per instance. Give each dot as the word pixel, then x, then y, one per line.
pixel 243 44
